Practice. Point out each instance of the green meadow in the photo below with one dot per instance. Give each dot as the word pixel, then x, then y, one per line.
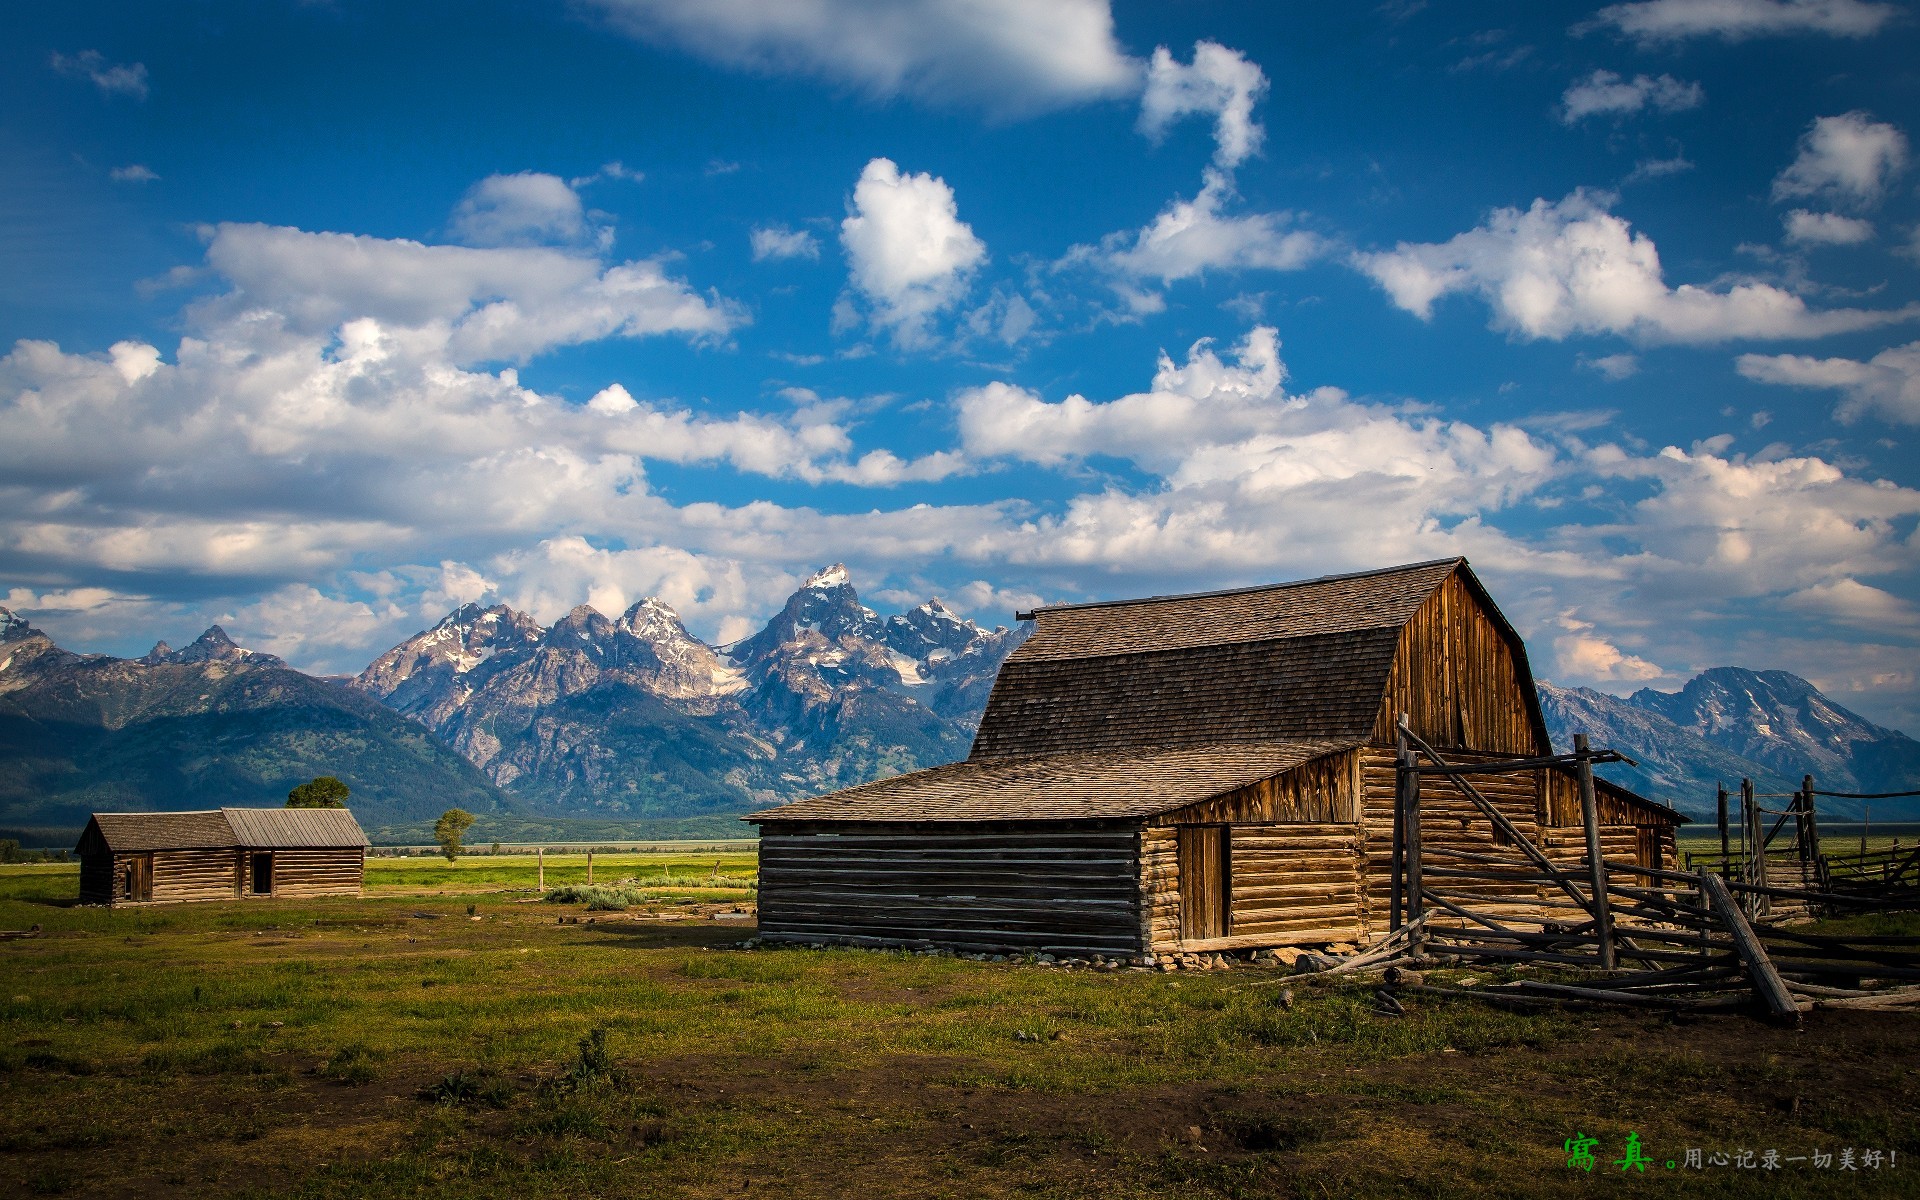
pixel 453 1034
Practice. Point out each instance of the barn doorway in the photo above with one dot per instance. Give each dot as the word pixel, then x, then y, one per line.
pixel 262 873
pixel 1206 881
pixel 136 881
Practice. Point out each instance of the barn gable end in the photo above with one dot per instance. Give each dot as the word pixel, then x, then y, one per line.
pixel 1460 675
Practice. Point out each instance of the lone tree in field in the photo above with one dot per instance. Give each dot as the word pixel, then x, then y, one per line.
pixel 321 792
pixel 448 828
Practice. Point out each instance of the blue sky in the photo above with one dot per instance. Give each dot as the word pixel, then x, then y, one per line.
pixel 327 317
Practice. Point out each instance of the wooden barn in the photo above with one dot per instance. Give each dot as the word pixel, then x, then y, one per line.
pixel 221 854
pixel 1194 773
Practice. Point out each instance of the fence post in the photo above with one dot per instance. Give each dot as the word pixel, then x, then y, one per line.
pixel 1590 815
pixel 1813 822
pixel 1416 884
pixel 1721 807
pixel 540 855
pixel 1397 907
pixel 589 866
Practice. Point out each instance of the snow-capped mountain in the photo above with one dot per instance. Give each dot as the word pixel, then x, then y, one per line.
pixel 637 716
pixel 1730 723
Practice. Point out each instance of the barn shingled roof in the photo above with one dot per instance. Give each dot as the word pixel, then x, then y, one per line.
pixel 1060 787
pixel 226 828
pixel 1292 660
pixel 124 832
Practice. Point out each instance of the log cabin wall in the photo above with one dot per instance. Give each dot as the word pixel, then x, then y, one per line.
pixel 1448 820
pixel 1459 681
pixel 1294 871
pixel 328 871
pixel 1567 848
pixel 1061 887
pixel 194 875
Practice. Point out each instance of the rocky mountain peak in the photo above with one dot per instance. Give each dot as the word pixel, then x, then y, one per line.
pixel 932 632
pixel 654 620
pixel 161 652
pixel 828 578
pixel 215 646
pixel 584 621
pixel 826 606
pixel 14 627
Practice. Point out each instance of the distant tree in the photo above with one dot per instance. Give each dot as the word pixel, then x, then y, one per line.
pixel 323 791
pixel 448 828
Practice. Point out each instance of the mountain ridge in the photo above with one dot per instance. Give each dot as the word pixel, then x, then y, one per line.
pixel 1729 723
pixel 209 725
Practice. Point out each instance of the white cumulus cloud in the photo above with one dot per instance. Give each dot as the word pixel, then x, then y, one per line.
pixel 528 208
pixel 1850 158
pixel 1887 385
pixel 1604 92
pixel 1010 57
pixel 1581 653
pixel 908 251
pixel 1568 267
pixel 1220 83
pixel 482 304
pixel 1826 229
pixel 1191 237
pixel 1858 604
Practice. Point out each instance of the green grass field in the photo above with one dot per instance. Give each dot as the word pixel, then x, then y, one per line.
pixel 400 1045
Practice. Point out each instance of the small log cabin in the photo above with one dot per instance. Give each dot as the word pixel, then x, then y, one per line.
pixel 221 854
pixel 1194 773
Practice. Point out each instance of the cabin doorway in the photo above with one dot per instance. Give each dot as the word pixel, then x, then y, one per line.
pixel 136 880
pixel 262 874
pixel 1206 881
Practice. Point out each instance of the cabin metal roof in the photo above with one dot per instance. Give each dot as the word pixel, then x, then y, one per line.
pixel 1061 787
pixel 291 828
pixel 227 828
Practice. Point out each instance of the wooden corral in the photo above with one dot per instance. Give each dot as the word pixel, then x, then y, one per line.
pixel 1194 773
pixel 220 854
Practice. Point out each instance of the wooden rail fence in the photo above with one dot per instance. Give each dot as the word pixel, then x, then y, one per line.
pixel 1622 932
